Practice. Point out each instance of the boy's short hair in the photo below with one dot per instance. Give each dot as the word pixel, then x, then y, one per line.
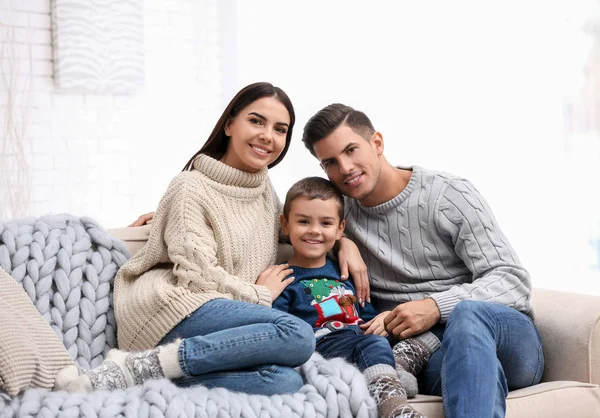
pixel 313 188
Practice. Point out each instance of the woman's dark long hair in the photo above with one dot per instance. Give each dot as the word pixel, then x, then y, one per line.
pixel 217 142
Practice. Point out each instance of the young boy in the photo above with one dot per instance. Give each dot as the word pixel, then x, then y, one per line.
pixel 313 219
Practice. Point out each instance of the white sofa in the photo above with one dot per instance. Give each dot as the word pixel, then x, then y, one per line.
pixel 569 325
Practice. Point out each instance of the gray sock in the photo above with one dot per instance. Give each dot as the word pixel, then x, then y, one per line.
pixel 409 383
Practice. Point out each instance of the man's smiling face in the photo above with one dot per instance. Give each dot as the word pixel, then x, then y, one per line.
pixel 351 162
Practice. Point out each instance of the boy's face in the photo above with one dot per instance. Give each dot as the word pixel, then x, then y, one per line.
pixel 313 227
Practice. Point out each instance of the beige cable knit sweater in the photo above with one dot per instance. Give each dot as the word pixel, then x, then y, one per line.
pixel 215 230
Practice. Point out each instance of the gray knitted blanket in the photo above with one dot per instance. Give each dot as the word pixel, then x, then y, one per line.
pixel 67 265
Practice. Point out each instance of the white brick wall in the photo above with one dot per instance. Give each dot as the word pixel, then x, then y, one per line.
pixel 108 157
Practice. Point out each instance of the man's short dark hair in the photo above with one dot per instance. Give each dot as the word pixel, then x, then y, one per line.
pixel 328 119
pixel 313 188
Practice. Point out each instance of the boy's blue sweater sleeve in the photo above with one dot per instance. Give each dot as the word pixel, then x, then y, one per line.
pixel 283 301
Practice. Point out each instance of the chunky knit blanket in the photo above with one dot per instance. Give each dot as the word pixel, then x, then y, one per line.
pixel 66 265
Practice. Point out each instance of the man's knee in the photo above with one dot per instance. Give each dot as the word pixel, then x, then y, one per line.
pixel 467 310
pixel 469 318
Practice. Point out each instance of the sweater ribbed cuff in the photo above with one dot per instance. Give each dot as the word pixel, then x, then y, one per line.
pixel 371 372
pixel 264 295
pixel 446 301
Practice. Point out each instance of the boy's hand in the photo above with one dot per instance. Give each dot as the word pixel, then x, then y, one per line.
pixel 351 261
pixel 274 279
pixel 376 325
pixel 144 219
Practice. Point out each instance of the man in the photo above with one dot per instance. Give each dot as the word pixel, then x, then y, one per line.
pixel 438 260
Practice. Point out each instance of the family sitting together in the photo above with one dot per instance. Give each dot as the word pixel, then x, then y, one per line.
pixel 402 271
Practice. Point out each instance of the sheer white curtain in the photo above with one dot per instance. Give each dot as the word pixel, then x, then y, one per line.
pixel 479 89
pixel 582 136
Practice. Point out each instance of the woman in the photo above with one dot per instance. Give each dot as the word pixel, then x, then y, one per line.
pixel 198 296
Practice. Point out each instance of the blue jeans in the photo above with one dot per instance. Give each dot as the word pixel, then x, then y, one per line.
pixel 487 349
pixel 361 350
pixel 242 347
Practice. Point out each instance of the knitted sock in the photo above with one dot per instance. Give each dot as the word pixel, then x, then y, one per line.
pixel 385 387
pixel 65 376
pixel 122 369
pixel 411 355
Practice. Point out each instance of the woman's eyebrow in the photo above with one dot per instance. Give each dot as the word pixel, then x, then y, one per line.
pixel 263 118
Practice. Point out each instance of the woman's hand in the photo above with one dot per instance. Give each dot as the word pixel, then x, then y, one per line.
pixel 376 325
pixel 351 262
pixel 144 219
pixel 274 279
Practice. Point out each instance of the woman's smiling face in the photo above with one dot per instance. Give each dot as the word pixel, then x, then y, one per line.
pixel 257 135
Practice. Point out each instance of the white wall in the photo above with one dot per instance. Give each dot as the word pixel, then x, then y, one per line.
pixel 473 88
pixel 111 157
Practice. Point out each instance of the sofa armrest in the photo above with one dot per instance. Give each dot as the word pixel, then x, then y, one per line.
pixel 569 326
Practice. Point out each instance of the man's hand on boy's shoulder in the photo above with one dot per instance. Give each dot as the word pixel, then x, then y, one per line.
pixel 412 318
pixel 351 263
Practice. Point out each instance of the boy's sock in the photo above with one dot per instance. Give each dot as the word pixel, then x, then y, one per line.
pixel 411 355
pixel 122 369
pixel 385 387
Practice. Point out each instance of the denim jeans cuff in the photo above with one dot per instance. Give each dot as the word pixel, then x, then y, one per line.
pixel 181 357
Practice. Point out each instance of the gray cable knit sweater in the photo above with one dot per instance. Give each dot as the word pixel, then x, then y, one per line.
pixel 438 238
